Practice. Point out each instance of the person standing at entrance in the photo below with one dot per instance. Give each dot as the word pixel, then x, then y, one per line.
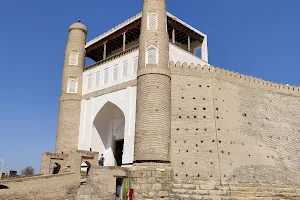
pixel 101 160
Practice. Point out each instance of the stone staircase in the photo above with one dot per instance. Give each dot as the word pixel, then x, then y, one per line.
pixel 213 191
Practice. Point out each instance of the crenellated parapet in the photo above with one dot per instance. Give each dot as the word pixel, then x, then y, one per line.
pixel 234 77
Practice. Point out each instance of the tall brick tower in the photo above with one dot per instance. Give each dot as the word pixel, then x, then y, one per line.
pixel 71 92
pixel 151 174
pixel 153 119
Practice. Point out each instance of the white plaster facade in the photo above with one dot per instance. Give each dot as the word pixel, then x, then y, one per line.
pixel 111 117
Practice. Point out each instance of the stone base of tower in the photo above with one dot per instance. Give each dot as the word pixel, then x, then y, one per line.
pixel 151 180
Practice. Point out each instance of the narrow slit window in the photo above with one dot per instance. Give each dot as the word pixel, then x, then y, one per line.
pixel 125 68
pixel 115 72
pixel 89 79
pixel 152 55
pixel 135 65
pixel 97 77
pixel 152 21
pixel 105 76
pixel 72 85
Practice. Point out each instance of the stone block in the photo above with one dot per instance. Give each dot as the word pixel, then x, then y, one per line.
pixel 141 180
pixel 151 180
pixel 135 186
pixel 163 193
pixel 152 194
pixel 179 191
pixel 163 198
pixel 166 187
pixel 156 186
pixel 189 186
pixel 161 169
pixel 157 174
pixel 139 168
pixel 145 173
pixel 217 193
pixel 177 186
pixel 146 186
pixel 137 174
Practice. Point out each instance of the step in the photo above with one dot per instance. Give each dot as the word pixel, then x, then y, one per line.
pixel 180 191
pixel 197 197
pixel 208 197
pixel 179 196
pixel 198 192
pixel 257 198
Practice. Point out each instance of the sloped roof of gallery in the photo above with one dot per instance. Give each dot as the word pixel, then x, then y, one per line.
pixel 137 17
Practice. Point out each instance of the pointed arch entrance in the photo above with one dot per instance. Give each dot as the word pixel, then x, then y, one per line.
pixel 109 123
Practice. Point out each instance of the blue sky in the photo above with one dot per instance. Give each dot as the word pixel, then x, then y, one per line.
pixel 258 38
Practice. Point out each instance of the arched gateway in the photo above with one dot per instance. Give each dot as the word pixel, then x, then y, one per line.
pixel 109 123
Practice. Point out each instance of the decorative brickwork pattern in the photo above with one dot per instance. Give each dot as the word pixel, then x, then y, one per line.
pixel 69 109
pixel 151 180
pixel 153 112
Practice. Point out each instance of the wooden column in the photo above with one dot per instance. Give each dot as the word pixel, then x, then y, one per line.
pixel 124 41
pixel 173 36
pixel 104 51
pixel 204 50
pixel 189 44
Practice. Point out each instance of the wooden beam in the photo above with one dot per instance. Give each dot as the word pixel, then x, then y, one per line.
pixel 114 35
pixel 184 30
pixel 131 34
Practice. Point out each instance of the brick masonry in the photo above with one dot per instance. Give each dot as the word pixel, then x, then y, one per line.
pixel 69 107
pixel 226 135
pixel 151 180
pixel 153 105
pixel 49 187
pixel 233 130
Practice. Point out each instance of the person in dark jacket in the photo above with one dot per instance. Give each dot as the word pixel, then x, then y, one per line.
pixel 101 160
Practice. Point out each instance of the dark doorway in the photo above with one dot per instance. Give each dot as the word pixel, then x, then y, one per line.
pixel 56 168
pixel 119 189
pixel 119 151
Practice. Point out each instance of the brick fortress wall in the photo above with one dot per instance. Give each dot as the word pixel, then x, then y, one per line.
pixel 232 128
pixel 60 186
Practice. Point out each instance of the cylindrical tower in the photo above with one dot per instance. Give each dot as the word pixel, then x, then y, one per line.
pixel 71 92
pixel 153 110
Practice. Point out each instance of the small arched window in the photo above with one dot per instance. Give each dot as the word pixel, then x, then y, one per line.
pixel 97 77
pixel 152 21
pixel 152 55
pixel 56 168
pixel 72 85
